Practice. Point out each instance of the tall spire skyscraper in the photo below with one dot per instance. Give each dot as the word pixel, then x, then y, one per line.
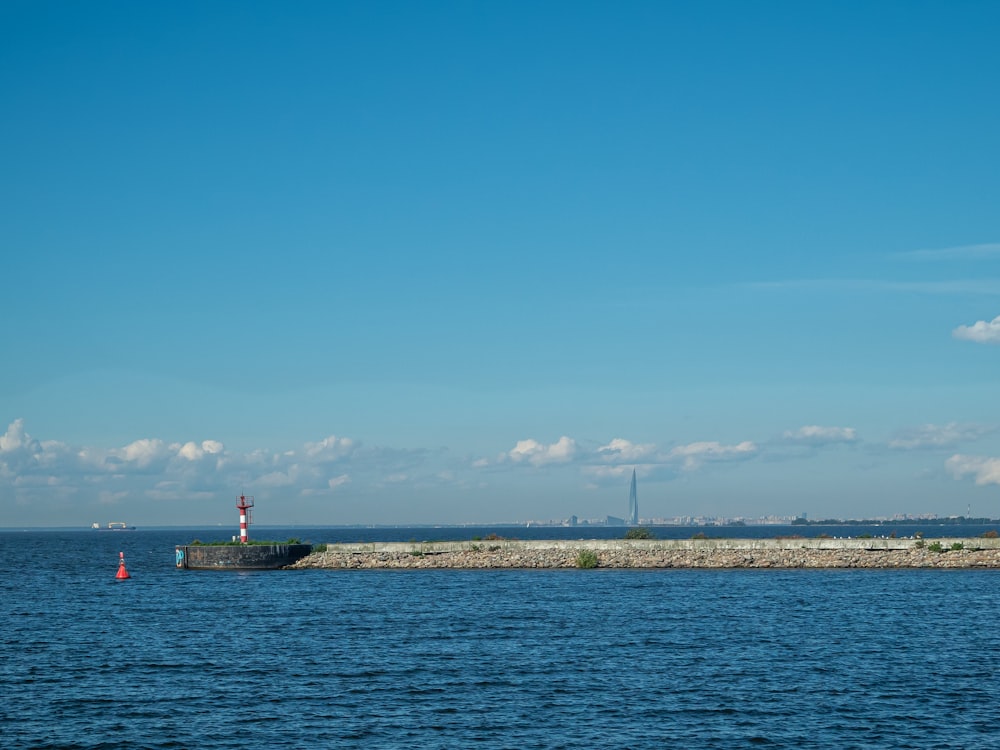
pixel 633 504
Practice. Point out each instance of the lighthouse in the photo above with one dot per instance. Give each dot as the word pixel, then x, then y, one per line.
pixel 244 504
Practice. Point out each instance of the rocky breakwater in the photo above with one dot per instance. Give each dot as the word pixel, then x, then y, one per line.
pixel 682 553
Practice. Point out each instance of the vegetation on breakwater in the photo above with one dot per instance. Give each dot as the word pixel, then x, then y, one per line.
pixel 640 532
pixel 238 543
pixel 938 547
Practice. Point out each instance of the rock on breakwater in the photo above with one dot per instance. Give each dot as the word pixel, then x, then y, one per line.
pixel 684 553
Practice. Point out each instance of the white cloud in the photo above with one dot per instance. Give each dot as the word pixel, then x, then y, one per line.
pixel 982 332
pixel 278 478
pixel 620 449
pixel 537 454
pixel 817 435
pixel 986 470
pixel 336 482
pixel 617 471
pixel 142 452
pixel 20 453
pixel 618 457
pixel 212 446
pixel 37 473
pixel 41 474
pixel 14 438
pixel 938 436
pixel 693 455
pixel 192 451
pixel 45 482
pixel 330 448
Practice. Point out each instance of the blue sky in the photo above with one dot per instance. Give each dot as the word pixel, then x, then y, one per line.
pixel 473 262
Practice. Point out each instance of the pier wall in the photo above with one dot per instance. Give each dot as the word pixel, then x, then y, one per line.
pixel 239 557
pixel 881 543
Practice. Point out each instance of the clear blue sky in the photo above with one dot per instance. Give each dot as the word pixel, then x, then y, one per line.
pixel 461 262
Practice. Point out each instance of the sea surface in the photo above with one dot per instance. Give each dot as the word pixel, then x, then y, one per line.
pixel 486 659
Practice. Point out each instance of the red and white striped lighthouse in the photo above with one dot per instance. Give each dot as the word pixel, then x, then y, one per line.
pixel 245 504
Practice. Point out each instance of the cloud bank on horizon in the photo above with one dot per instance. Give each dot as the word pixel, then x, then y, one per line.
pixel 50 476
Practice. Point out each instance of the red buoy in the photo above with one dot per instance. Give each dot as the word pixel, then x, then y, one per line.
pixel 122 573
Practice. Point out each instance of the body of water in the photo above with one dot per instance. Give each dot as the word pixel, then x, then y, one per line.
pixel 491 659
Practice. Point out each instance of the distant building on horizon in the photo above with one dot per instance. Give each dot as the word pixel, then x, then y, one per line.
pixel 633 504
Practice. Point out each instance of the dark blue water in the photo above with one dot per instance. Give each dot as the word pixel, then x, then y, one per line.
pixel 491 659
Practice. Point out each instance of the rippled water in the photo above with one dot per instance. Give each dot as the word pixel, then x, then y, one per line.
pixel 493 659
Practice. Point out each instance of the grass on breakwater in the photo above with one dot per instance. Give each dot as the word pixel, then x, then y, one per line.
pixel 258 542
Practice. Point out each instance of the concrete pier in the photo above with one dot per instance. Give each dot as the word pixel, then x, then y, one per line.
pixel 239 557
pixel 667 553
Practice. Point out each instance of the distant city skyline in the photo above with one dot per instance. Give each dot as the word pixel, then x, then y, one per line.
pixel 437 263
